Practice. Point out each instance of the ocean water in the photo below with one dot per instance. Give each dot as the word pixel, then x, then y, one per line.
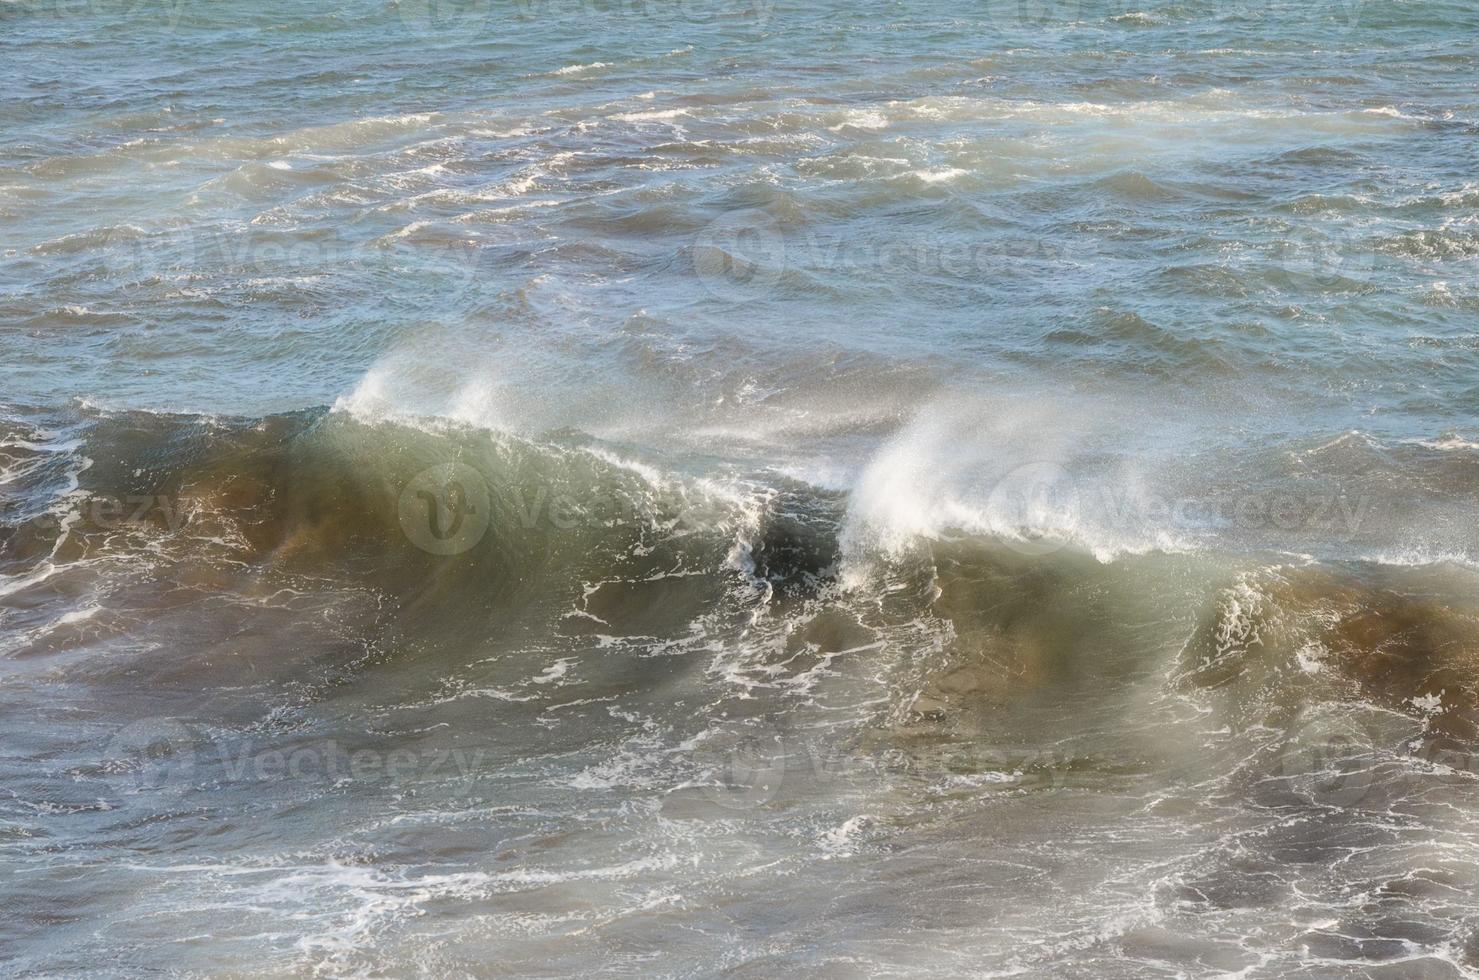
pixel 739 488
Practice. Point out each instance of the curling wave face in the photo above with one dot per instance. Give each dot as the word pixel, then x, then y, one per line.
pixel 354 676
pixel 740 489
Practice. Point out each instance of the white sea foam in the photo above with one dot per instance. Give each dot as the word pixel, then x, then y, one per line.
pixel 862 119
pixel 939 175
pixel 1448 442
pixel 581 69
pixel 650 115
pixel 1417 556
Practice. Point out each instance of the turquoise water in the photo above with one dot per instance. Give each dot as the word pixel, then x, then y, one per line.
pixel 864 489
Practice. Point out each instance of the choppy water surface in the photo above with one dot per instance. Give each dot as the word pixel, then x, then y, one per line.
pixel 739 488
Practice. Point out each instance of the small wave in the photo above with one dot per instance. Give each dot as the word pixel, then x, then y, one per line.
pixel 939 175
pixel 581 69
pixel 1400 642
pixel 650 115
pixel 1448 442
pixel 861 119
pixel 1419 557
